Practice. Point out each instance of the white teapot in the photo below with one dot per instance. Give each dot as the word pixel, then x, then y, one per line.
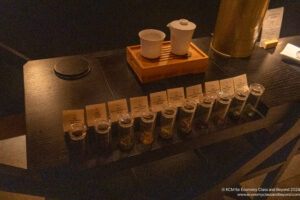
pixel 182 32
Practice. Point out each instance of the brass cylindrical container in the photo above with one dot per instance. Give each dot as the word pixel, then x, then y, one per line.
pixel 237 27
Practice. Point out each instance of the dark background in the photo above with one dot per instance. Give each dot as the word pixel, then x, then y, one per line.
pixel 42 29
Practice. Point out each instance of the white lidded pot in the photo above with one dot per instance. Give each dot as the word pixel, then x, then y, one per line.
pixel 151 42
pixel 182 31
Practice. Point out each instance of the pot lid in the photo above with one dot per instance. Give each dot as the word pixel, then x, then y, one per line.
pixel 182 24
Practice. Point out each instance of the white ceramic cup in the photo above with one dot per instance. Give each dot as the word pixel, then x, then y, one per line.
pixel 151 42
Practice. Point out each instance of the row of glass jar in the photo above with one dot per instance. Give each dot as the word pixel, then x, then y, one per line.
pixel 209 107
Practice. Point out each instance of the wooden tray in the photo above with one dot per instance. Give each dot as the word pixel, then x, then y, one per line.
pixel 167 65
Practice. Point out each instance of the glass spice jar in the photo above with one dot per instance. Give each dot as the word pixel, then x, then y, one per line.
pixel 204 110
pixel 103 133
pixel 221 107
pixel 186 116
pixel 256 91
pixel 147 125
pixel 126 132
pixel 167 119
pixel 238 103
pixel 77 136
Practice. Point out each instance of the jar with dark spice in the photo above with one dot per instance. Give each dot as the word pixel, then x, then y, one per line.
pixel 102 133
pixel 238 103
pixel 256 91
pixel 221 108
pixel 77 136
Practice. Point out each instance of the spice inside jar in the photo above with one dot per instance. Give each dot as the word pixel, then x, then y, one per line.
pixel 77 137
pixel 147 126
pixel 103 133
pixel 186 116
pixel 256 91
pixel 238 103
pixel 204 111
pixel 126 132
pixel 167 120
pixel 77 131
pixel 221 108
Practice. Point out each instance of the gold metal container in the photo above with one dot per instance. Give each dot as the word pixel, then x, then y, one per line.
pixel 237 27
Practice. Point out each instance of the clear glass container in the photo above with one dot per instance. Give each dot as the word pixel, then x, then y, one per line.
pixel 147 125
pixel 77 131
pixel 126 132
pixel 186 116
pixel 103 133
pixel 238 103
pixel 167 120
pixel 204 110
pixel 77 137
pixel 221 107
pixel 256 91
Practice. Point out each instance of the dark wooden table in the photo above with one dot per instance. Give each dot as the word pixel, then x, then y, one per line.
pixel 46 96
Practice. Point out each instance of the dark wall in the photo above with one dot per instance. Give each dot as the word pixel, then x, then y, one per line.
pixel 41 29
pixel 52 29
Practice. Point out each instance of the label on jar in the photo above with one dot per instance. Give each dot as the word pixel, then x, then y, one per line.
pixel 116 108
pixel 138 105
pixel 158 101
pixel 176 96
pixel 226 85
pixel 240 82
pixel 72 116
pixel 96 111
pixel 212 88
pixel 194 93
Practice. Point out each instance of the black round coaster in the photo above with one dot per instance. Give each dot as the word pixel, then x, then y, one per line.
pixel 72 68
